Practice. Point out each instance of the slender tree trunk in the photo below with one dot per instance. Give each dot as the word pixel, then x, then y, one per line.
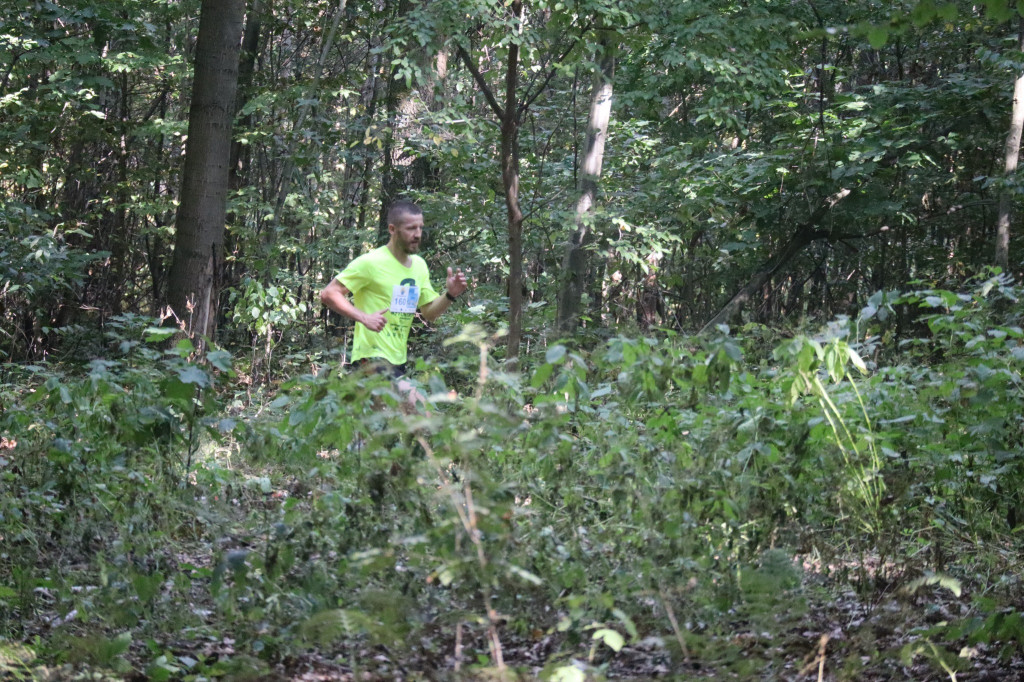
pixel 246 70
pixel 304 109
pixel 392 181
pixel 576 262
pixel 510 115
pixel 1012 154
pixel 406 103
pixel 510 182
pixel 199 238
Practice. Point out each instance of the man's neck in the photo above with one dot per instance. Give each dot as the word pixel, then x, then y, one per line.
pixel 400 255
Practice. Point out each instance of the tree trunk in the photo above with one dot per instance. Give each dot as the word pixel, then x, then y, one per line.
pixel 199 238
pixel 246 70
pixel 304 109
pixel 510 182
pixel 576 262
pixel 406 102
pixel 1012 154
pixel 511 115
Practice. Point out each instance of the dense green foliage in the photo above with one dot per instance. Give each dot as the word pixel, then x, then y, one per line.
pixel 667 492
pixel 834 477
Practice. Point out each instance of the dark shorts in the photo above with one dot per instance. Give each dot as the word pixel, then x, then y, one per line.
pixel 381 366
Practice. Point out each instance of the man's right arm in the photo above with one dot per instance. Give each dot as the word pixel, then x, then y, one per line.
pixel 336 297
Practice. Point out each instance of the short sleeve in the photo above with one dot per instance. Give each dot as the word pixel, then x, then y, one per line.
pixel 355 276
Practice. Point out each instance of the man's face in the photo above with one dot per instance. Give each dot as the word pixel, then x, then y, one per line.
pixel 407 231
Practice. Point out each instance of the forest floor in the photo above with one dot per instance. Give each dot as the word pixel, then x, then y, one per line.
pixel 823 629
pixel 839 636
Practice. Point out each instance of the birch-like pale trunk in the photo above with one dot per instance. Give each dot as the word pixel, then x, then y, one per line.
pixel 576 262
pixel 1011 156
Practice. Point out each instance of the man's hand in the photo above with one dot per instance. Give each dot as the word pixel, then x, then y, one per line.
pixel 456 282
pixel 375 321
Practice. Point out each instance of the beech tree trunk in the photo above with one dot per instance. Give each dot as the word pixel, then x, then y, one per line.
pixel 1011 156
pixel 199 239
pixel 577 257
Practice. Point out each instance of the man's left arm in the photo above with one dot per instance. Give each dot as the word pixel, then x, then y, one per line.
pixel 455 285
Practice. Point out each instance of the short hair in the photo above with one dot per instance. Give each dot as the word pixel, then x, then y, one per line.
pixel 402 207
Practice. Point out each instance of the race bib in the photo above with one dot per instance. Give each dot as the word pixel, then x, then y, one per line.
pixel 404 298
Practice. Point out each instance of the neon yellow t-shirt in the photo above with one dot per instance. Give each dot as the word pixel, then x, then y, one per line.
pixel 378 281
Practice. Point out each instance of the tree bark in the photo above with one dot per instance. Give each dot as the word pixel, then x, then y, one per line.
pixel 576 261
pixel 199 239
pixel 246 71
pixel 1011 156
pixel 510 181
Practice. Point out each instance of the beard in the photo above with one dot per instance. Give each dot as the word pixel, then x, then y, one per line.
pixel 409 246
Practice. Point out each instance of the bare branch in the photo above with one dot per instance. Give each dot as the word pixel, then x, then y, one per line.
pixel 529 97
pixel 482 83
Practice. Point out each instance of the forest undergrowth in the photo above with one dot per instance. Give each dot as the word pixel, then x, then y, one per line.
pixel 838 503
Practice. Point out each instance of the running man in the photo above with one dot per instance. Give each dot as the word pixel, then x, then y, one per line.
pixel 387 287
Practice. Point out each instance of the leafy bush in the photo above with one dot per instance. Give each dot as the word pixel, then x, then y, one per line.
pixel 675 488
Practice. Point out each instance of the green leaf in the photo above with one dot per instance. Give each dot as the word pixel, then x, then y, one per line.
pixel 542 374
pixel 177 390
pixel 221 359
pixel 857 361
pixel 555 354
pixel 568 673
pixel 627 622
pixel 611 638
pixel 999 10
pixel 158 334
pixel 194 375
pixel 947 11
pixel 878 36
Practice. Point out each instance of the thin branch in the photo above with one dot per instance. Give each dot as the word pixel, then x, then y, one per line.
pixel 528 98
pixel 482 83
pixel 857 235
